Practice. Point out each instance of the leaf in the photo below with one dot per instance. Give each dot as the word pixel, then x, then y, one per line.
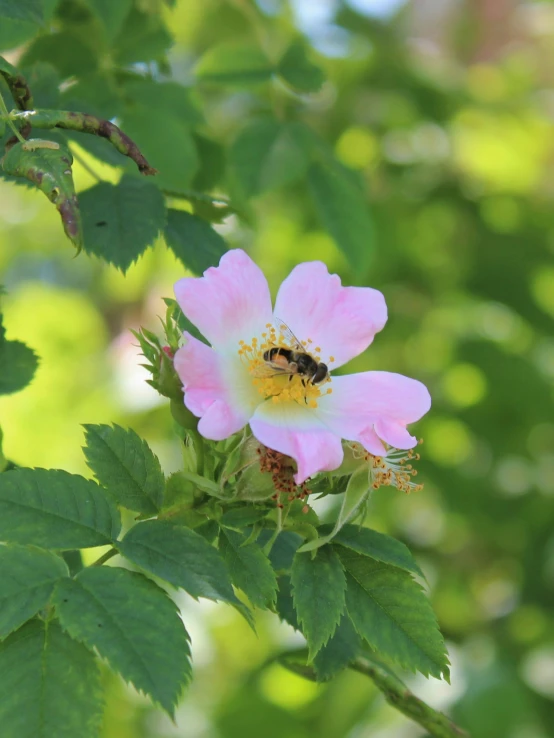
pixel 50 683
pixel 250 568
pixel 5 66
pixel 166 98
pixel 54 509
pixel 389 609
pixel 234 65
pixel 22 10
pixel 356 494
pixel 121 221
pixel 124 464
pixel 267 155
pixel 378 546
pixel 242 517
pixel 143 38
pixel 167 143
pixel 28 578
pixel 182 321
pixel 47 164
pixel 111 14
pixel 296 69
pixel 343 211
pixel 284 547
pixel 285 604
pixel 318 586
pixel 343 646
pixel 179 556
pixel 133 624
pixel 18 363
pixel 70 53
pixel 193 241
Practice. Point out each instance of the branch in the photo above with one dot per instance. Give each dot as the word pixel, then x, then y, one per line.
pixel 407 703
pixel 85 123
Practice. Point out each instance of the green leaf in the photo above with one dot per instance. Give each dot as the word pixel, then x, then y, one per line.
pixel 18 363
pixel 182 321
pixel 389 609
pixel 166 98
pixel 343 646
pixel 193 241
pixel 268 154
pixel 234 65
pixel 285 603
pixel 378 546
pixel 167 143
pixel 112 14
pixel 250 568
pixel 50 683
pixel 296 69
pixel 133 624
pixel 318 586
pixel 68 52
pixel 54 509
pixel 5 66
pixel 343 211
pixel 28 578
pixel 121 221
pixel 4 463
pixel 124 464
pixel 356 494
pixel 242 517
pixel 179 556
pixel 23 10
pixel 143 38
pixel 47 164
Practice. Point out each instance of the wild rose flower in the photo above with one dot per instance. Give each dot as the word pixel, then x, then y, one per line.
pixel 228 384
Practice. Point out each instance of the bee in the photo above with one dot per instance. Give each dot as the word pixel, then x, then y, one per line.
pixel 294 360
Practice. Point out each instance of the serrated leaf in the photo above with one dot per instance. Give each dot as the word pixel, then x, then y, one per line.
pixel 377 546
pixel 133 624
pixel 356 494
pixel 284 604
pixel 124 464
pixel 180 556
pixel 242 517
pixel 268 154
pixel 166 98
pixel 193 241
pixel 50 683
pixel 53 509
pixel 234 65
pixel 343 646
pixel 18 363
pixel 389 609
pixel 344 213
pixel 28 578
pixel 112 14
pixel 47 164
pixel 143 38
pixel 250 568
pixel 22 10
pixel 318 587
pixel 296 69
pixel 121 221
pixel 72 54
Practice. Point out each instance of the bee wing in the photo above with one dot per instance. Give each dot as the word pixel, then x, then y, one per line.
pixel 288 335
pixel 272 369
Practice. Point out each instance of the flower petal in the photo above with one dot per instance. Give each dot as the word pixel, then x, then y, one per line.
pixel 342 321
pixel 371 405
pixel 296 431
pixel 230 302
pixel 217 389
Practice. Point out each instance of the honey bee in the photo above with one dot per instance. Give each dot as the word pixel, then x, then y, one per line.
pixel 293 360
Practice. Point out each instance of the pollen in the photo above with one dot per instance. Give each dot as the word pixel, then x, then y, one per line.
pixel 392 470
pixel 279 380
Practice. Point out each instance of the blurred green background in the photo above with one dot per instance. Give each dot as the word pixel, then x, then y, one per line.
pixel 445 108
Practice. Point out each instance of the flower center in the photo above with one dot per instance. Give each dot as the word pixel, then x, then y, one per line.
pixel 283 371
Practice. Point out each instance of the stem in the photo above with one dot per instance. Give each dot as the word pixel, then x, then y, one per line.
pixel 269 545
pixel 408 704
pixel 105 557
pixel 86 123
pixel 5 114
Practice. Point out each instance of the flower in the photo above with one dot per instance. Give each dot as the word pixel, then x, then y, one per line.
pixel 227 385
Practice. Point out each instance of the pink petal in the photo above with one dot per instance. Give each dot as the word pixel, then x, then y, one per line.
pixel 217 389
pixel 296 431
pixel 371 405
pixel 230 302
pixel 342 321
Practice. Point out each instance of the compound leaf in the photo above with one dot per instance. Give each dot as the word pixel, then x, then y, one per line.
pixel 250 568
pixel 193 241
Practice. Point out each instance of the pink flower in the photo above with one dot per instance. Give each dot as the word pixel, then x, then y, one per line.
pixel 226 385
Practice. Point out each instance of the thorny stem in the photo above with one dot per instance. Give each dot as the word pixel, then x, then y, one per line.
pixel 85 123
pixel 105 557
pixel 407 703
